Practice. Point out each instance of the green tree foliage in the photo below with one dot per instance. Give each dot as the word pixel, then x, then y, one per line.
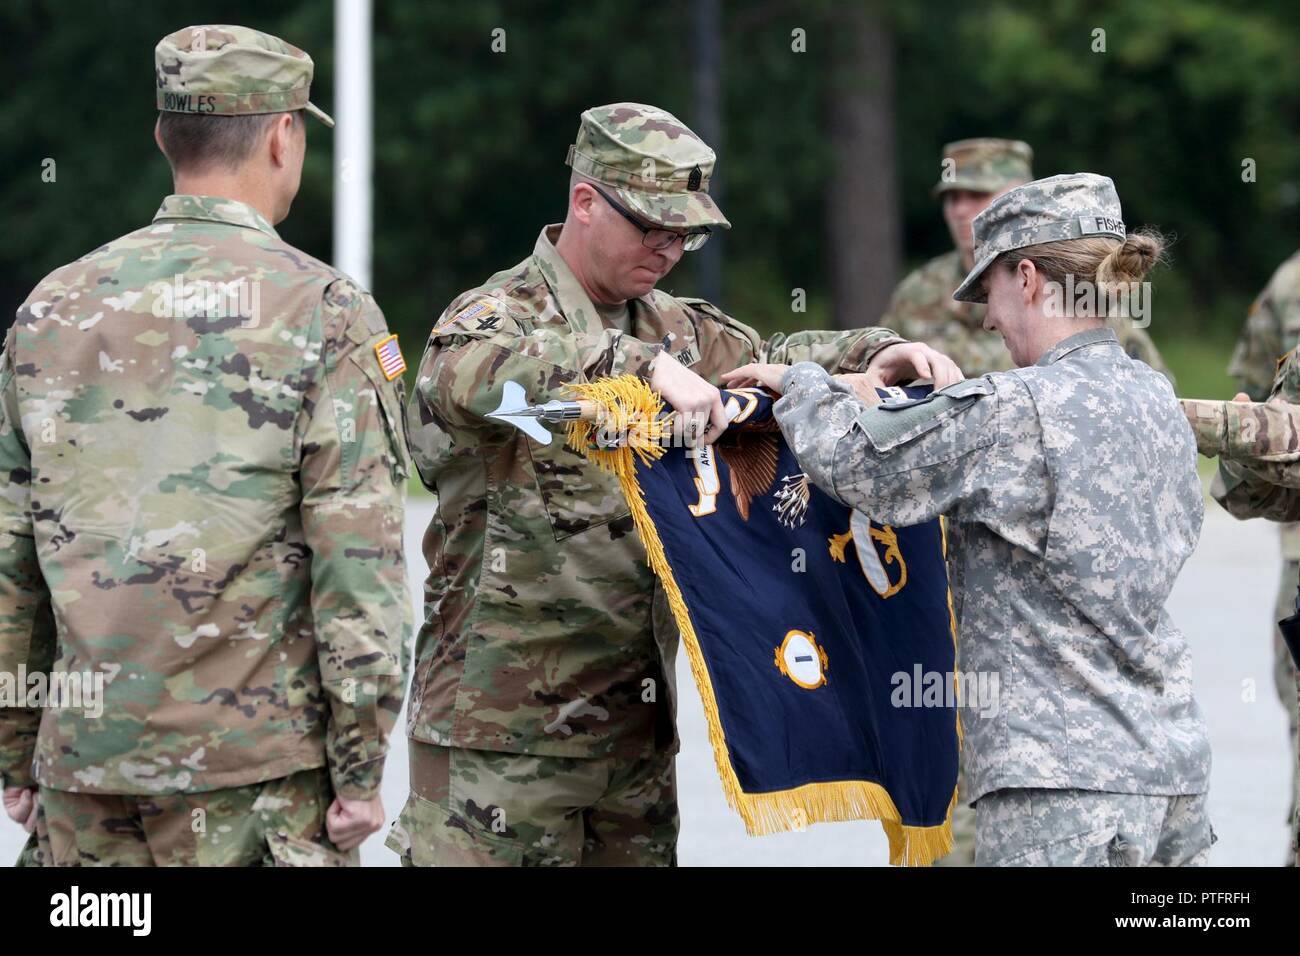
pixel 470 143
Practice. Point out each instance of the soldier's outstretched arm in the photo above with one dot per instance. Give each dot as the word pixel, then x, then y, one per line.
pixel 470 357
pixel 1261 439
pixel 835 351
pixel 1258 446
pixel 352 469
pixel 27 636
pixel 726 343
pixel 904 463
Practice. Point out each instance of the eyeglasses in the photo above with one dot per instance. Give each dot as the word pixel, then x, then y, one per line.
pixel 659 239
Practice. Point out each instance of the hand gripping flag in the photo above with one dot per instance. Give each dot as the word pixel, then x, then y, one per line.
pixel 822 642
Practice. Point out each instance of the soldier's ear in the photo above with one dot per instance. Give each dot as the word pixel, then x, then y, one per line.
pixel 157 134
pixel 581 197
pixel 280 138
pixel 1030 279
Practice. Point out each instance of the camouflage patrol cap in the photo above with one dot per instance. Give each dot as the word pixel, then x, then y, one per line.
pixel 985 165
pixel 232 71
pixel 1071 206
pixel 658 167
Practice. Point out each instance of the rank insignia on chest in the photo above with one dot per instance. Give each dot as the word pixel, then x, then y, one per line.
pixel 389 354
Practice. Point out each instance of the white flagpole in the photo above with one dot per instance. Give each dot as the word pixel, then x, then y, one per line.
pixel 353 137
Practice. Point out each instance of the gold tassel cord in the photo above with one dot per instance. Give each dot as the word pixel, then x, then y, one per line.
pixel 630 424
pixel 630 410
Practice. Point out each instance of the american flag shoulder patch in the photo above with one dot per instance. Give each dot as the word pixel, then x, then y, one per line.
pixel 389 354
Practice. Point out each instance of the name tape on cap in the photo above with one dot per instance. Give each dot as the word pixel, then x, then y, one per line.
pixel 1093 224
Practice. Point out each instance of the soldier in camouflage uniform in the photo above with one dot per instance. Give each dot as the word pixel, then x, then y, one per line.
pixel 1272 329
pixel 541 711
pixel 922 309
pixel 1074 477
pixel 974 173
pixel 202 471
pixel 1258 447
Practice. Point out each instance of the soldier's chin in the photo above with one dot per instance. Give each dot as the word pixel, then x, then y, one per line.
pixel 641 285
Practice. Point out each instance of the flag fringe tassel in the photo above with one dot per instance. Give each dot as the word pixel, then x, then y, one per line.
pixel 631 410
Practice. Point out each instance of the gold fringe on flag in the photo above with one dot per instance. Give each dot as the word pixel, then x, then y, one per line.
pixel 631 411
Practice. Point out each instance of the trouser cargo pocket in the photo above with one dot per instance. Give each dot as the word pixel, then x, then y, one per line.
pixel 425 834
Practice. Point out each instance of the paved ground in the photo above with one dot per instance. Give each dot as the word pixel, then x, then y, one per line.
pixel 1223 602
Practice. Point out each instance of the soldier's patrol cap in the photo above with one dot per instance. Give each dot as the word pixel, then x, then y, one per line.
pixel 1071 206
pixel 659 168
pixel 227 70
pixel 985 165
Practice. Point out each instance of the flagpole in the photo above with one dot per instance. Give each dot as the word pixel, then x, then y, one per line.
pixel 353 136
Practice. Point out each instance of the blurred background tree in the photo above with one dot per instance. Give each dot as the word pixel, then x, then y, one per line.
pixel 830 121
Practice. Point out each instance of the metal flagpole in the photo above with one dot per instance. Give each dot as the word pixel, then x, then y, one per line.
pixel 353 137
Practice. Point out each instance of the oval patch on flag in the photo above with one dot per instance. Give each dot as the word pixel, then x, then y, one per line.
pixel 390 358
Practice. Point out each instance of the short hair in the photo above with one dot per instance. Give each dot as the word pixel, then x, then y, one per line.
pixel 195 142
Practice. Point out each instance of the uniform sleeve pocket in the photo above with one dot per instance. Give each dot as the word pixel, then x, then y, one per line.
pixel 391 401
pixel 888 426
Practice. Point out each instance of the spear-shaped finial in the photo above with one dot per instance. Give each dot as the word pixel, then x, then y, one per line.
pixel 515 410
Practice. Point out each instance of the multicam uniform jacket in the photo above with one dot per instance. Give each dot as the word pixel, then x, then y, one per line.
pixel 201 503
pixel 538 632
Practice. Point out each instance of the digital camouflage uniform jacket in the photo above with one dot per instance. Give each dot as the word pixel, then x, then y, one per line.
pixel 206 509
pixel 1074 482
pixel 537 635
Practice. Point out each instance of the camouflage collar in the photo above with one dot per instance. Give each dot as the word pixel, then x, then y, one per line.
pixel 1077 341
pixel 649 316
pixel 214 209
pixel 570 297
